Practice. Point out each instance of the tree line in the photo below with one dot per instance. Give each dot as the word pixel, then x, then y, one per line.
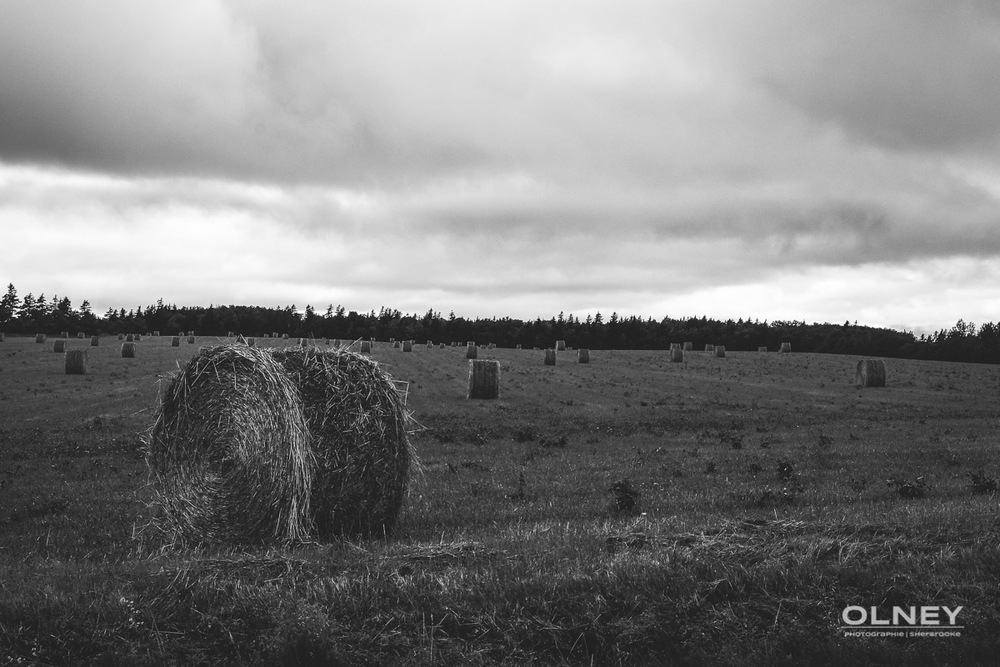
pixel 963 342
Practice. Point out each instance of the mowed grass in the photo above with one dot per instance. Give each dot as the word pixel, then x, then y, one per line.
pixel 761 509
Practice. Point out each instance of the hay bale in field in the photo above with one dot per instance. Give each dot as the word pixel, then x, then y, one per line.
pixel 471 343
pixel 138 337
pixel 785 347
pixel 130 338
pixel 762 348
pixel 95 341
pixel 407 346
pixel 517 347
pixel 560 346
pixel 710 348
pixel 870 373
pixel 441 346
pixel 191 340
pixel 175 341
pixel 156 334
pixel 720 350
pixel 76 362
pixel 677 355
pixel 64 334
pixel 395 344
pixel 2 336
pixel 39 338
pixel 430 345
pixel 471 352
pixel 484 378
pixel 583 356
pixel 128 350
pixel 550 357
pixel 229 451
pixel 59 345
pixel 675 346
pixel 80 335
pixel 284 336
pixel 121 336
pixel 366 347
pixel 688 347
pixel 358 426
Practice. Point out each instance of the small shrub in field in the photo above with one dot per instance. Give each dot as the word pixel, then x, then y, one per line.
pixel 785 469
pixel 982 483
pixel 908 489
pixel 625 499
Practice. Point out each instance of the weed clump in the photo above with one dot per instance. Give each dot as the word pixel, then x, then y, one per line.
pixel 625 498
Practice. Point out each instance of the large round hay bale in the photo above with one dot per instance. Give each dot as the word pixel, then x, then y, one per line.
pixel 471 352
pixel 484 378
pixel 870 373
pixel 407 346
pixel 175 341
pixel 229 451
pixel 560 346
pixel 128 350
pixel 688 346
pixel 710 348
pixel 130 338
pixel 191 340
pixel 366 347
pixel 76 362
pixel 762 348
pixel 95 341
pixel 583 356
pixel 121 336
pixel 785 347
pixel 156 333
pixel 550 357
pixel 39 338
pixel 80 335
pixel 720 350
pixel 357 421
pixel 59 345
pixel 677 355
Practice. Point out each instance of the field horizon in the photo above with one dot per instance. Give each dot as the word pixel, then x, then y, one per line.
pixel 630 510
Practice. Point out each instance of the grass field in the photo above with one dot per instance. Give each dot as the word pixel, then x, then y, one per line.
pixel 626 511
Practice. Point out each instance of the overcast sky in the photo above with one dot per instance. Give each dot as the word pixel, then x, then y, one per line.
pixel 817 161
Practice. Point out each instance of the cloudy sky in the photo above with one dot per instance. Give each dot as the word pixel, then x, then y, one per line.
pixel 818 161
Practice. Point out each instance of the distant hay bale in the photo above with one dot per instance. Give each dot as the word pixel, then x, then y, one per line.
pixel 560 346
pixel 675 346
pixel 785 347
pixel 229 334
pixel 191 333
pixel 471 343
pixel 121 336
pixel 710 348
pixel 441 346
pixel 407 346
pixel 358 426
pixel 870 373
pixel 366 347
pixel 484 378
pixel 39 338
pixel 64 334
pixel 229 451
pixel 130 338
pixel 762 348
pixel 491 346
pixel 59 345
pixel 550 357
pixel 128 350
pixel 156 333
pixel 95 341
pixel 284 336
pixel 76 362
pixel 688 346
pixel 395 344
pixel 80 335
pixel 518 347
pixel 138 337
pixel 175 341
pixel 677 355
pixel 583 356
pixel 471 352
pixel 720 350
pixel 430 345
pixel 191 340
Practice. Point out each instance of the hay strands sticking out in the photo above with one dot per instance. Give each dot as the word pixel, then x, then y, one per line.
pixel 358 425
pixel 229 452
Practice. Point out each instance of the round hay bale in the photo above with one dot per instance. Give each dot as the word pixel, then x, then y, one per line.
pixel 358 425
pixel 229 451
pixel 430 345
pixel 175 341
pixel 441 346
pixel 156 333
pixel 64 334
pixel 785 347
pixel 95 341
pixel 484 378
pixel 366 347
pixel 39 338
pixel 560 346
pixel 59 345
pixel 677 354
pixel 191 340
pixel 518 347
pixel 121 336
pixel 2 336
pixel 138 337
pixel 407 346
pixel 130 338
pixel 80 335
pixel 710 348
pixel 688 347
pixel 675 346
pixel 128 350
pixel 395 344
pixel 76 362
pixel 550 357
pixel 284 336
pixel 870 373
pixel 471 352
pixel 583 356
pixel 471 343
pixel 762 349
pixel 720 351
